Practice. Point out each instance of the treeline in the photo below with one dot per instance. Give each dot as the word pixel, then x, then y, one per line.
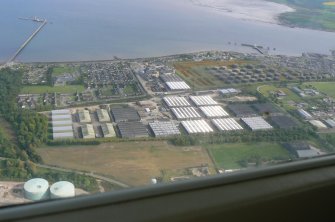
pixel 12 169
pixel 276 135
pixel 30 127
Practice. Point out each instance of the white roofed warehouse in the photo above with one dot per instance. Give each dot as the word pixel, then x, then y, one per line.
pixel 196 126
pixel 176 101
pixel 183 113
pixel 227 124
pixel 84 116
pixel 108 130
pixel 62 124
pixel 203 100
pixel 257 123
pixel 213 111
pixel 103 115
pixel 87 131
pixel 178 85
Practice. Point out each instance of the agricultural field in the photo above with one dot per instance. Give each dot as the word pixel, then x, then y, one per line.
pixel 237 155
pixel 67 89
pixel 134 163
pixel 196 74
pixel 60 70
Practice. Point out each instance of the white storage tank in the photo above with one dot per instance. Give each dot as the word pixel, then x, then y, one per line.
pixel 36 189
pixel 62 189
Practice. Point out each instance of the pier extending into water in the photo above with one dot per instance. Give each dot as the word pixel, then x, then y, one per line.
pixel 17 53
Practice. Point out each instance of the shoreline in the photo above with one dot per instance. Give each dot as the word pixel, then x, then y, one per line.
pixel 250 10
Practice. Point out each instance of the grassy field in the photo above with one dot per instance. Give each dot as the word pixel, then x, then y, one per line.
pixel 131 162
pixel 60 70
pixel 290 96
pixel 324 87
pixel 52 89
pixel 198 77
pixel 315 14
pixel 229 156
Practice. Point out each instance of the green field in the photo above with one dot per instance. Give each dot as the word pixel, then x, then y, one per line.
pixel 230 156
pixel 324 87
pixel 314 14
pixel 59 70
pixel 52 89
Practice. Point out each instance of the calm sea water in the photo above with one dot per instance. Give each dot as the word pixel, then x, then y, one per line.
pixel 101 29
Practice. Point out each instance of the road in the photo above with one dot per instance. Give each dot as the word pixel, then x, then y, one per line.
pixel 99 177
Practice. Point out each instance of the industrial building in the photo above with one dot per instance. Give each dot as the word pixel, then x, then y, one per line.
pixel 125 114
pixel 302 149
pixel 103 115
pixel 256 123
pixel 62 189
pixel 87 131
pixel 230 91
pixel 318 124
pixel 196 126
pixel 62 124
pixel 178 85
pixel 183 113
pixel 304 114
pixel 227 124
pixel 84 116
pixel 132 130
pixel 170 78
pixel 161 129
pixel 242 110
pixel 36 189
pixel 266 109
pixel 213 111
pixel 283 122
pixel 176 101
pixel 108 130
pixel 330 123
pixel 203 100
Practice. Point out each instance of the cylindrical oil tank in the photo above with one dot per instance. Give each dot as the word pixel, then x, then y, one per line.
pixel 62 189
pixel 36 189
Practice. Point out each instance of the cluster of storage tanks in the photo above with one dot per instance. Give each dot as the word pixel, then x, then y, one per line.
pixel 38 189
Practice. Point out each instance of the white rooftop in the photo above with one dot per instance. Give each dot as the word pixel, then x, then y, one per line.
pixel 203 100
pixel 257 123
pixel 213 111
pixel 227 124
pixel 196 126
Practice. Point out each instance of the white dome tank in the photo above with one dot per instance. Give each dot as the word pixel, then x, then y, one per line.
pixel 36 189
pixel 62 189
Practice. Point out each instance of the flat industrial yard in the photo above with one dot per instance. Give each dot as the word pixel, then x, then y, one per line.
pixel 134 163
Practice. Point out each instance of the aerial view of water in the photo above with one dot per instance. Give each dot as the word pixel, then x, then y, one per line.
pixel 101 29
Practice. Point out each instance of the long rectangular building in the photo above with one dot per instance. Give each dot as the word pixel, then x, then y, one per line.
pixel 62 129
pixel 203 100
pixel 125 114
pixel 196 126
pixel 103 115
pixel 65 117
pixel 227 124
pixel 304 114
pixel 62 123
pixel 256 123
pixel 161 129
pixel 88 131
pixel 178 85
pixel 213 111
pixel 84 116
pixel 108 130
pixel 186 113
pixel 66 135
pixel 132 130
pixel 176 101
pixel 60 112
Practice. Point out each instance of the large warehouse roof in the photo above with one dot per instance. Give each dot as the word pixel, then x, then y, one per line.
pixel 318 124
pixel 170 78
pixel 132 130
pixel 62 123
pixel 305 114
pixel 60 112
pixel 203 100
pixel 178 85
pixel 108 130
pixel 227 124
pixel 242 110
pixel 84 116
pixel 175 101
pixel 266 108
pixel 186 113
pixel 283 122
pixel 103 115
pixel 67 135
pixel 257 123
pixel 213 111
pixel 125 114
pixel 196 126
pixel 61 117
pixel 60 129
pixel 164 129
pixel 88 131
